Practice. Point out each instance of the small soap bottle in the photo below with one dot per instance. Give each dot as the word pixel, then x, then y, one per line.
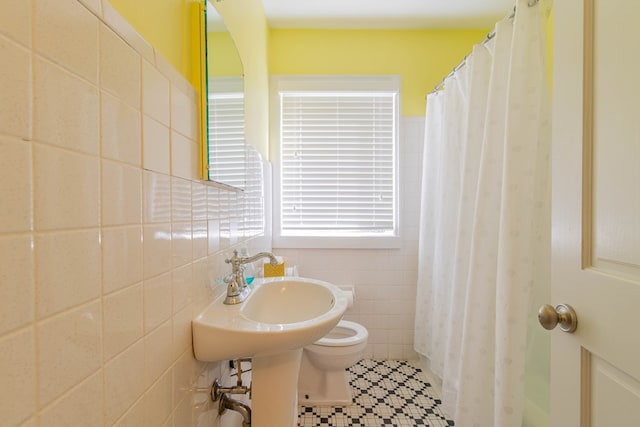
pixel 249 270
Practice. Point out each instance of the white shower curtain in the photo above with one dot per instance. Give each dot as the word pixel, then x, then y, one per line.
pixel 484 238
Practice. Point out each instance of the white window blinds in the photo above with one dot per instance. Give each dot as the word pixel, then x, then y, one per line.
pixel 226 133
pixel 337 163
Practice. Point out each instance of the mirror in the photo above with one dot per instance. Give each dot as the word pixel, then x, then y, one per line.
pixel 225 140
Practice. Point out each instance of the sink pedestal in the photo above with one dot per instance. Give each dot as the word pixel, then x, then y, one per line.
pixel 274 389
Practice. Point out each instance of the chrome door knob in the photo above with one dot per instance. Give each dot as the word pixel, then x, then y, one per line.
pixel 562 314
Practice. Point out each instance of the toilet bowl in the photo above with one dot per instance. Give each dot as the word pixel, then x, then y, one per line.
pixel 323 375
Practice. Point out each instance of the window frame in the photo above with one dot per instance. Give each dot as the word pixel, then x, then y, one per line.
pixel 353 84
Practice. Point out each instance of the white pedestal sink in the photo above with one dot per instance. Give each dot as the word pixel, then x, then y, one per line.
pixel 280 316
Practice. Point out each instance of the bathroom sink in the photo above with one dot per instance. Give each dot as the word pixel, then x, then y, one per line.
pixel 280 314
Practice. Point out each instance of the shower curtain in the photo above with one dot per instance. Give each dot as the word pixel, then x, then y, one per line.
pixel 485 221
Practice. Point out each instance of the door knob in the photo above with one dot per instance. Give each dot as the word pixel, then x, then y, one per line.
pixel 562 314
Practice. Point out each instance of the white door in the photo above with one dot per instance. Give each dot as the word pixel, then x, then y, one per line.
pixel 595 372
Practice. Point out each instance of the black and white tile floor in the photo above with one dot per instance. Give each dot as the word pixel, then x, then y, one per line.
pixel 385 393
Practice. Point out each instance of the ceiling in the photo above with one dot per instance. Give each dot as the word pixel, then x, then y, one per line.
pixel 386 14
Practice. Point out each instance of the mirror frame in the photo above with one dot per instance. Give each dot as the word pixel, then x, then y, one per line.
pixel 200 20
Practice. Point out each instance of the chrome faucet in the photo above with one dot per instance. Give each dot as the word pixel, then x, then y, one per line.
pixel 237 289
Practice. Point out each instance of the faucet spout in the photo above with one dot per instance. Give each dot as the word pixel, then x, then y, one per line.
pixel 237 289
pixel 272 259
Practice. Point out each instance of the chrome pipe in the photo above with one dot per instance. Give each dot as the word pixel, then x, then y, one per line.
pixel 242 408
pixel 217 391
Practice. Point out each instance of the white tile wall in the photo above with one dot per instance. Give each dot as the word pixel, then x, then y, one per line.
pixel 119 68
pixel 183 153
pixel 158 402
pixel 17 285
pixel 69 350
pixel 200 238
pixel 17 369
pixel 123 140
pixel 66 189
pixel 156 250
pixel 95 6
pixel 106 252
pixel 157 352
pixel 156 146
pixel 15 184
pixel 134 416
pixel 121 195
pixel 123 381
pixel 66 109
pixel 15 21
pixel 15 74
pixel 123 314
pixel 181 323
pixel 80 406
pixel 181 243
pixel 181 200
pixel 157 301
pixel 182 292
pixel 156 101
pixel 68 270
pixel 183 114
pixel 121 257
pixel 157 197
pixel 67 33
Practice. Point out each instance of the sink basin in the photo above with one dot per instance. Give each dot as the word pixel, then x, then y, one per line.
pixel 287 301
pixel 279 317
pixel 280 314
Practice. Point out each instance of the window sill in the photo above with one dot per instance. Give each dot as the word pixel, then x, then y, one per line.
pixel 337 242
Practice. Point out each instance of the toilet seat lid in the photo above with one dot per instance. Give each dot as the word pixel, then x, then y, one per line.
pixel 360 334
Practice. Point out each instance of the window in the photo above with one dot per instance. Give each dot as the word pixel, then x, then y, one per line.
pixel 336 162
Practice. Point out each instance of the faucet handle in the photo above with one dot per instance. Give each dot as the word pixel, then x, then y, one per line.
pixel 233 258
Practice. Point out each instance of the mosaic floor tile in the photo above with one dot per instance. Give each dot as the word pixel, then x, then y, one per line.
pixel 385 393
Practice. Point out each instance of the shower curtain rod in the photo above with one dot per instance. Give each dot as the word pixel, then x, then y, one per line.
pixel 488 37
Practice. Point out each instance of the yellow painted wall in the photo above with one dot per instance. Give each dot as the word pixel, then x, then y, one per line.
pixel 421 57
pixel 166 25
pixel 222 56
pixel 247 23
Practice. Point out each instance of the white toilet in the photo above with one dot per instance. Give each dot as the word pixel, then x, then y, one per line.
pixel 323 376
